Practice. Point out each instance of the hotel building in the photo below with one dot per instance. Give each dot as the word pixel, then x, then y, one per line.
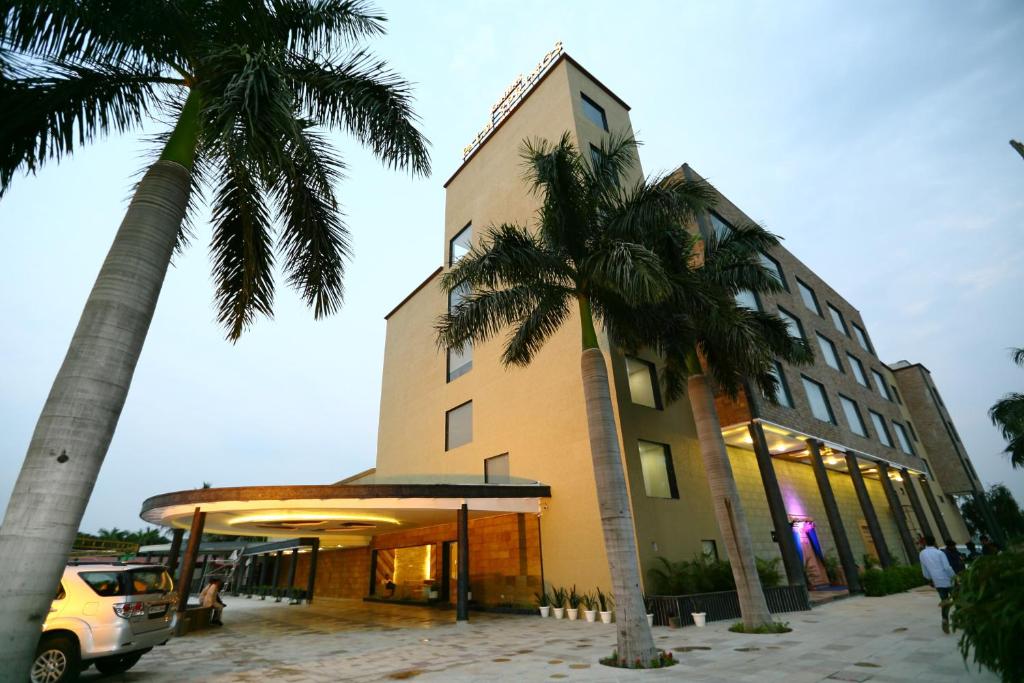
pixel 483 472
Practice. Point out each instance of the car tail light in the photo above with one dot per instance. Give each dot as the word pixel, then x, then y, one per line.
pixel 126 610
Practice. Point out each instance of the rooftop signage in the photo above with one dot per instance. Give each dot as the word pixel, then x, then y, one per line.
pixel 512 96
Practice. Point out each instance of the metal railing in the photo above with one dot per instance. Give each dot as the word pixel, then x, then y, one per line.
pixel 723 605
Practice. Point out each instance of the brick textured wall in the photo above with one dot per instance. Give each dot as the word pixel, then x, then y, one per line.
pixel 340 573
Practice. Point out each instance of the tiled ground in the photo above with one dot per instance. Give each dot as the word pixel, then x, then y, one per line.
pixel 893 639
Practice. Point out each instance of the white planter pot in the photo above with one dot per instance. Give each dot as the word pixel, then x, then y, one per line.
pixel 545 610
pixel 606 617
pixel 650 620
pixel 699 618
pixel 573 613
pixel 590 615
pixel 559 612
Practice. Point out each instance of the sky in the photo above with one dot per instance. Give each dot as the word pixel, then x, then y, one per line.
pixel 872 136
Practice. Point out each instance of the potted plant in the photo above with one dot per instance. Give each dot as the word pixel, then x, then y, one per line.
pixel 574 604
pixel 589 602
pixel 543 602
pixel 559 595
pixel 698 614
pixel 605 602
pixel 650 612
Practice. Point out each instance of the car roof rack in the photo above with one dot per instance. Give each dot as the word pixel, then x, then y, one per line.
pixel 79 563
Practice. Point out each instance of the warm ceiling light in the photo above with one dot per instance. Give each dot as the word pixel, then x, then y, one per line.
pixel 312 514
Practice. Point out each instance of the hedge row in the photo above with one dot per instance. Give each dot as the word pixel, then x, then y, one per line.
pixel 892 580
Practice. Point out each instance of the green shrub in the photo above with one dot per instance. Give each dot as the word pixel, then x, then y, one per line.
pixel 895 579
pixel 705 575
pixel 988 607
pixel 773 627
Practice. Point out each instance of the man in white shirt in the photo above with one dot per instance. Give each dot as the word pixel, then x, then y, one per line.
pixel 936 569
pixel 210 597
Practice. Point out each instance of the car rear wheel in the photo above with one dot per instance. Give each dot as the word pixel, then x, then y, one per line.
pixel 118 664
pixel 56 661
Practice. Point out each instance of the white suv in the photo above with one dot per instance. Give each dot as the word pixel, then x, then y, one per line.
pixel 104 614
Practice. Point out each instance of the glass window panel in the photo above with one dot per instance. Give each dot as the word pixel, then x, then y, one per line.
pixel 858 370
pixel 820 407
pixel 774 268
pixel 642 383
pixel 748 299
pixel 104 584
pixel 852 414
pixel 593 111
pixel 807 294
pixel 795 328
pixel 460 361
pixel 458 426
pixel 496 469
pixel 902 438
pixel 837 319
pixel 656 464
pixel 145 581
pixel 913 434
pixel 862 338
pixel 720 227
pixel 880 385
pixel 459 245
pixel 883 432
pixel 828 350
pixel 782 395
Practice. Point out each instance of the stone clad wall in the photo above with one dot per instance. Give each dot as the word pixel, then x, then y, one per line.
pixel 340 573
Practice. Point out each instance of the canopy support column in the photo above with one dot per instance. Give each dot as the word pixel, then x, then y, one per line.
pixel 462 605
pixel 835 520
pixel 777 507
pixel 874 528
pixel 188 565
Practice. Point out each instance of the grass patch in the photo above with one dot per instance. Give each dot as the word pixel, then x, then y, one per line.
pixel 664 659
pixel 774 627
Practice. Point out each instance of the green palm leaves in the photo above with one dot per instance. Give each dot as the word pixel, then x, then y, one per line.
pixel 1008 415
pixel 252 87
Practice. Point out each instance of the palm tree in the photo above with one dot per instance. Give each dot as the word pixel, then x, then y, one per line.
pixel 251 88
pixel 700 330
pixel 1008 415
pixel 588 245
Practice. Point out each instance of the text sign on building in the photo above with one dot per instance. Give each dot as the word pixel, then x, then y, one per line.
pixel 512 96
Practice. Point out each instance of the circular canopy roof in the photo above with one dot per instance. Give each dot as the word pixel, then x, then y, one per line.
pixel 345 514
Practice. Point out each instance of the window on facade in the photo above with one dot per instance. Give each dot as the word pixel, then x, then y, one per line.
pixel 709 549
pixel 595 156
pixel 820 406
pixel 643 383
pixel 862 338
pixel 659 475
pixel 896 394
pixel 858 370
pixel 719 226
pixel 458 426
pixel 748 299
pixel 459 245
pixel 807 294
pixel 782 395
pixel 952 430
pixel 795 328
pixel 774 268
pixel 883 432
pixel 593 111
pixel 496 470
pixel 837 319
pixel 880 385
pixel 913 434
pixel 852 414
pixel 828 350
pixel 460 360
pixel 902 438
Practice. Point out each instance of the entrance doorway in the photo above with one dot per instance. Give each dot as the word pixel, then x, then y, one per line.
pixel 810 552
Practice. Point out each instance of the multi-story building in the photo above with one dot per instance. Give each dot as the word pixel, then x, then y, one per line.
pixel 833 468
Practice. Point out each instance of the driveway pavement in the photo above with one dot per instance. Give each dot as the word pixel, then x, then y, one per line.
pixel 891 639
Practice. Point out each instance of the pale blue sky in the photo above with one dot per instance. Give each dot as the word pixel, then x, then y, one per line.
pixel 872 136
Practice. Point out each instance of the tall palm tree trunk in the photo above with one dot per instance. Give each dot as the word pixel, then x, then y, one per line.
pixel 78 420
pixel 732 523
pixel 634 635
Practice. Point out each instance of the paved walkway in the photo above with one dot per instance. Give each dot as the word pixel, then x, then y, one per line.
pixel 882 640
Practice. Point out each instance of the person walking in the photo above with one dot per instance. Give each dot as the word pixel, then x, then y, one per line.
pixel 956 560
pixel 972 552
pixel 210 597
pixel 937 571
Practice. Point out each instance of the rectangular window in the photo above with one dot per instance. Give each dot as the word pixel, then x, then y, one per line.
pixel 458 426
pixel 828 350
pixel 593 111
pixel 775 269
pixel 795 328
pixel 853 418
pixel 709 549
pixel 748 299
pixel 902 438
pixel 595 156
pixel 837 320
pixel 913 434
pixel 820 406
pixel 782 395
pixel 952 430
pixel 659 475
pixel 896 394
pixel 496 470
pixel 719 225
pixel 459 245
pixel 460 361
pixel 862 338
pixel 880 385
pixel 883 431
pixel 808 296
pixel 643 383
pixel 858 370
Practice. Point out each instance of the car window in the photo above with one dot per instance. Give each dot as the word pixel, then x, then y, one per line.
pixel 104 584
pixel 60 592
pixel 145 581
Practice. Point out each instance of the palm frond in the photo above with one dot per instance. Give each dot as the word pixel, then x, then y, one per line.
pixel 506 255
pixel 1018 356
pixel 630 270
pixel 363 96
pixel 321 26
pixel 736 260
pixel 616 155
pixel 550 310
pixel 482 314
pixel 657 209
pixel 557 173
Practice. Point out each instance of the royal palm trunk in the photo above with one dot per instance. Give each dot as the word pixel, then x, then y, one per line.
pixel 732 523
pixel 78 419
pixel 634 635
